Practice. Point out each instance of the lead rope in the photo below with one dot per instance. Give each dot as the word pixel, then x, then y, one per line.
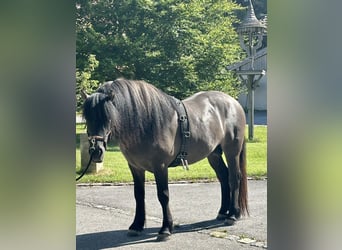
pixel 85 170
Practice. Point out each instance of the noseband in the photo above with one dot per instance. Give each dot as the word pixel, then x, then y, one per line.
pixel 96 138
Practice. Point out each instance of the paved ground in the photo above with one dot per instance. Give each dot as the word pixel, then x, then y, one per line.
pixel 260 117
pixel 103 214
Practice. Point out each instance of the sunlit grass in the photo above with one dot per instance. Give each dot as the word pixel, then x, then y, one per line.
pixel 257 152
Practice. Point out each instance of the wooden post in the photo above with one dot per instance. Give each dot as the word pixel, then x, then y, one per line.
pixel 251 83
pixel 84 148
pixel 250 107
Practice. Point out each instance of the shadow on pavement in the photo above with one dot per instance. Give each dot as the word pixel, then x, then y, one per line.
pixel 111 239
pixel 198 226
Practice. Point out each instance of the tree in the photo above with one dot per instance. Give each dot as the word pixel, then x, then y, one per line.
pixel 84 81
pixel 179 46
pixel 260 8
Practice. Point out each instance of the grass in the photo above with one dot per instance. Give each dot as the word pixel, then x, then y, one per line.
pixel 116 169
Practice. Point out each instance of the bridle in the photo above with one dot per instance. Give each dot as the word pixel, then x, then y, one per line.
pixel 96 138
pixel 92 148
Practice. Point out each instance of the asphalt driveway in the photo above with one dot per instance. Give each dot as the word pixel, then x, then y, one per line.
pixel 104 213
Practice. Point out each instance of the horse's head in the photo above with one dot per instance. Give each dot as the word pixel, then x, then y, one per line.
pixel 97 146
pixel 98 124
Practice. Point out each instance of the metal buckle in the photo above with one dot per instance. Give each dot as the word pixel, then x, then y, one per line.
pixel 183 118
pixel 186 134
pixel 183 154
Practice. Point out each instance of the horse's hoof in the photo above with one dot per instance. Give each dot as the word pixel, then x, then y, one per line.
pixel 163 237
pixel 221 217
pixel 133 233
pixel 230 221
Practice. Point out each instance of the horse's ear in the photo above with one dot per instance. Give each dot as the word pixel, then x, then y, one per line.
pixel 84 94
pixel 110 96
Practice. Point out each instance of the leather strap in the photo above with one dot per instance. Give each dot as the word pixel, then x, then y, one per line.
pixel 185 132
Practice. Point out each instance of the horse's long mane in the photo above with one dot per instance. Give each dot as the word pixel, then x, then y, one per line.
pixel 133 109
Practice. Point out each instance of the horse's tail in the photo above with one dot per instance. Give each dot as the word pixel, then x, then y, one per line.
pixel 243 192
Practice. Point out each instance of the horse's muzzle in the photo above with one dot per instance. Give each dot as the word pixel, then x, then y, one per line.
pixel 97 148
pixel 96 153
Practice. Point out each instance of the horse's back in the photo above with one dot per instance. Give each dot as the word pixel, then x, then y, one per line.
pixel 215 102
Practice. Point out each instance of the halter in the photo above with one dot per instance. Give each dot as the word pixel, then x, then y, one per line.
pixel 96 138
pixel 92 140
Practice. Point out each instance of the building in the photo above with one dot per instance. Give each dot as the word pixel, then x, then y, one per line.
pixel 260 94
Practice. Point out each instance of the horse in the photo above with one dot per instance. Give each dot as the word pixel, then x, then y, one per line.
pixel 153 133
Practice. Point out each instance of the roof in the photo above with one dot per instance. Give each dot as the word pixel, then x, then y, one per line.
pixel 259 61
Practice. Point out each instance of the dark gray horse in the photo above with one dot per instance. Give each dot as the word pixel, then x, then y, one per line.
pixel 149 126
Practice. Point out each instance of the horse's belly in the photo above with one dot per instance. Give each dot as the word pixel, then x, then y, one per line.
pixel 198 151
pixel 148 160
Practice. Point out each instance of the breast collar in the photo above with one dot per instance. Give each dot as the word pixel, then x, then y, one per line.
pixel 183 122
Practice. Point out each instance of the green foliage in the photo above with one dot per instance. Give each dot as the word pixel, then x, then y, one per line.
pixel 179 46
pixel 83 79
pixel 260 7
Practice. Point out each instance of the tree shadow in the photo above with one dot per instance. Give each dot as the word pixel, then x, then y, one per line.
pixel 112 239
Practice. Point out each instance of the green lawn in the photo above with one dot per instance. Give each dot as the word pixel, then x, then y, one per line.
pixel 116 170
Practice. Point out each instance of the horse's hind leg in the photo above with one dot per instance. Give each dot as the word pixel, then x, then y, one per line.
pixel 221 170
pixel 234 183
pixel 161 176
pixel 236 158
pixel 139 194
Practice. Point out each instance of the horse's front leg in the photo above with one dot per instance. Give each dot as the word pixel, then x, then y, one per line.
pixel 161 176
pixel 139 194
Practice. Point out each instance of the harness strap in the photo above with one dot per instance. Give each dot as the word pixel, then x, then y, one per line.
pixel 185 132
